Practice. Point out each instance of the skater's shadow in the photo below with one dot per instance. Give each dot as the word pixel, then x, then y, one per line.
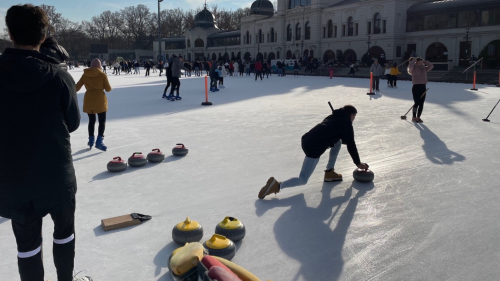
pixel 435 149
pixel 304 233
pixel 84 157
pixel 107 174
pixel 81 151
pixel 161 260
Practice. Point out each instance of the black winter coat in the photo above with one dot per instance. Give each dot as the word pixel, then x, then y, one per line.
pixel 40 109
pixel 335 127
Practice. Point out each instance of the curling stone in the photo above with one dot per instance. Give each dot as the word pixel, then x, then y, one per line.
pixel 117 165
pixel 231 228
pixel 220 246
pixel 156 156
pixel 179 150
pixel 363 175
pixel 187 231
pixel 137 160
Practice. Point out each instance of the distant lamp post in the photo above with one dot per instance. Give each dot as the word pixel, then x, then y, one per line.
pixel 159 31
pixel 369 42
pixel 467 55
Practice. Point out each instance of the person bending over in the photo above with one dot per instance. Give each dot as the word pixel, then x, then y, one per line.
pixel 334 131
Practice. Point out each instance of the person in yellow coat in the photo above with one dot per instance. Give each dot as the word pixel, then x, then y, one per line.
pixel 394 75
pixel 95 101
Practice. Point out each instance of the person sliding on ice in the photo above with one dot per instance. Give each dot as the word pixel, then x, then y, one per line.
pixel 95 101
pixel 258 70
pixel 418 69
pixel 295 69
pixel 177 66
pixel 334 131
pixel 394 75
pixel 376 69
pixel 40 113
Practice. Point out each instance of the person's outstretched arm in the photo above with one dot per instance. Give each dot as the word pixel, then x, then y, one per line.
pixel 69 104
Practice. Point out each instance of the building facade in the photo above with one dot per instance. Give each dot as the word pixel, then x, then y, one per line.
pixel 446 32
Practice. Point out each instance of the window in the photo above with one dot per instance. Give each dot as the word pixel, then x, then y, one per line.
pixel 276 37
pixel 289 33
pixel 330 29
pixel 324 32
pixel 335 31
pixel 247 38
pixel 272 35
pixel 369 27
pixel 350 27
pixel 189 43
pixel 268 38
pixel 260 37
pixel 356 29
pixel 298 31
pixel 297 3
pixel 488 17
pixel 308 31
pixel 398 52
pixel 384 24
pixel 468 18
pixel 376 23
pixel 198 43
pixel 343 30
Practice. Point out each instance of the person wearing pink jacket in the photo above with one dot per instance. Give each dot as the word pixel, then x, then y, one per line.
pixel 418 69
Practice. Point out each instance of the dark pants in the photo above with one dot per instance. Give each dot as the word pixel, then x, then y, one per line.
pixel 176 84
pixel 169 82
pixel 104 69
pixel 389 77
pixel 376 82
pixel 102 123
pixel 213 82
pixel 147 71
pixel 29 242
pixel 394 80
pixel 258 73
pixel 418 105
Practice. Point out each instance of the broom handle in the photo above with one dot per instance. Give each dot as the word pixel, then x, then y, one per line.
pixel 493 109
pixel 420 98
pixel 330 106
pixel 403 63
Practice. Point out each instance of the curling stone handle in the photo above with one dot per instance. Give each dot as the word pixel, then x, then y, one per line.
pixel 117 158
pixel 156 149
pixel 180 145
pixel 136 153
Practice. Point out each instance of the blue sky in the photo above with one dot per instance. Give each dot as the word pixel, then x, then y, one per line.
pixel 84 10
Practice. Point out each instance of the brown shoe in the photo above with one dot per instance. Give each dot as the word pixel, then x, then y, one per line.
pixel 330 176
pixel 272 186
pixel 414 119
pixel 419 120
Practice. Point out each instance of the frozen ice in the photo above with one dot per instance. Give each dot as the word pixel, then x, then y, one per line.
pixel 430 214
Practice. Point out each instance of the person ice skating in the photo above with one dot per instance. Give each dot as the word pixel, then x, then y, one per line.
pixel 95 101
pixel 42 111
pixel 351 70
pixel 236 69
pixel 334 131
pixel 104 66
pixel 387 73
pixel 265 69
pixel 160 66
pixel 330 69
pixel 147 65
pixel 214 76
pixel 117 68
pixel 295 69
pixel 242 68
pixel 168 73
pixel 376 69
pixel 219 75
pixel 394 75
pixel 177 66
pixel 50 47
pixel 418 69
pixel 258 70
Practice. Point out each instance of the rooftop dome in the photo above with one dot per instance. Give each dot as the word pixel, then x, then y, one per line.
pixel 204 19
pixel 262 7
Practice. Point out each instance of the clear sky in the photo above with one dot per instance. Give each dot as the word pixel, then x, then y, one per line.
pixel 76 10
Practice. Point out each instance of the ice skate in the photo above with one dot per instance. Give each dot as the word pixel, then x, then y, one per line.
pixel 91 141
pixel 272 186
pixel 99 144
pixel 330 176
pixel 178 98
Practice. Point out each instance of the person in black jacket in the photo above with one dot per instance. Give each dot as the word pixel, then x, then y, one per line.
pixel 168 73
pixel 51 48
pixel 334 131
pixel 39 178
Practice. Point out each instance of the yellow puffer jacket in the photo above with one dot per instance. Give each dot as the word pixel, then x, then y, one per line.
pixel 95 82
pixel 395 71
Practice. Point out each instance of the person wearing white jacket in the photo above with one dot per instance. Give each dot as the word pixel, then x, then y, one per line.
pixel 221 79
pixel 236 68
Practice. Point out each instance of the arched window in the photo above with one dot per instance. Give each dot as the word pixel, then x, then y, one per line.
pixel 376 23
pixel 272 34
pixel 198 43
pixel 350 27
pixel 308 31
pixel 289 33
pixel 247 37
pixel 189 43
pixel 330 29
pixel 298 31
pixel 260 37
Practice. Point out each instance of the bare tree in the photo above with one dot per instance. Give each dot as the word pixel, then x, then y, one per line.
pixel 54 17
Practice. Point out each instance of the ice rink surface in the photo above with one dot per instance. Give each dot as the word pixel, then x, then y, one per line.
pixel 432 212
